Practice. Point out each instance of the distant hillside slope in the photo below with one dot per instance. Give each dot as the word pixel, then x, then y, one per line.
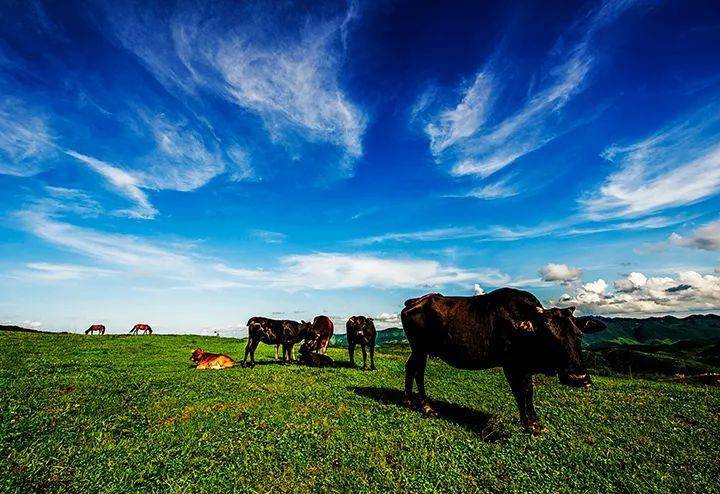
pixel 384 337
pixel 620 331
pixel 666 329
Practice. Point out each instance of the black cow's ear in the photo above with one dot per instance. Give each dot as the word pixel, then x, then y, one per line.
pixel 589 324
pixel 370 319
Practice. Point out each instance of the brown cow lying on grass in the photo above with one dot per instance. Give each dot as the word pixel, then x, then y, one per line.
pixel 204 360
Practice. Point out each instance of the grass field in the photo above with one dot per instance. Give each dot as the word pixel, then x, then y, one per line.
pixel 127 414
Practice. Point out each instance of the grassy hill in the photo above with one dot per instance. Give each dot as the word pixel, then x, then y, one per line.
pixel 127 414
pixel 620 331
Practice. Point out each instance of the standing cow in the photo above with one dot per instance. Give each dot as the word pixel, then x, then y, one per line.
pixel 141 327
pixel 507 328
pixel 361 331
pixel 323 327
pixel 95 327
pixel 267 322
pixel 274 332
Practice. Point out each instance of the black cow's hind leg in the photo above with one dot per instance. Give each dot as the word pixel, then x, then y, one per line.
pixel 420 380
pixel 372 356
pixel 522 389
pixel 410 366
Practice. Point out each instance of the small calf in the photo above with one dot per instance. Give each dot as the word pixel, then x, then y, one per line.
pixel 204 360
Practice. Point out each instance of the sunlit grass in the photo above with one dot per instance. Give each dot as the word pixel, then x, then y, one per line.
pixel 128 414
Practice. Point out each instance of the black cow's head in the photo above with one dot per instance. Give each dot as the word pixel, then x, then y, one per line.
pixel 562 332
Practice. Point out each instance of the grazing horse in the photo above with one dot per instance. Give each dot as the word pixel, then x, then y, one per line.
pixel 274 332
pixel 141 327
pixel 204 360
pixel 95 327
pixel 361 331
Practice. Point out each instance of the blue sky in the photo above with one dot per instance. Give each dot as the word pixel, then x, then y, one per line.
pixel 190 165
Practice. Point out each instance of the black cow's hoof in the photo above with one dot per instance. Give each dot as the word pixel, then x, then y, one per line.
pixel 428 410
pixel 373 368
pixel 534 428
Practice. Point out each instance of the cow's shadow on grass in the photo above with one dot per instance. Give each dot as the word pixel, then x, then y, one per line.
pixel 296 363
pixel 482 423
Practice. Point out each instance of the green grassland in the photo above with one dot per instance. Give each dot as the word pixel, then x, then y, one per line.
pixel 128 414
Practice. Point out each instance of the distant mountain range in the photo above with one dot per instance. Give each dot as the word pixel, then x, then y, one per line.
pixel 620 331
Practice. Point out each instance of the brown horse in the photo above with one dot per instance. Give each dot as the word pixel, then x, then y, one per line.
pixel 95 327
pixel 141 327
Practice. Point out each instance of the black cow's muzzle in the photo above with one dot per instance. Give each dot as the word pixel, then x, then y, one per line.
pixel 575 379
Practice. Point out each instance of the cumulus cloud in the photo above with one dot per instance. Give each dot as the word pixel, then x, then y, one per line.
pixel 707 237
pixel 26 142
pixel 560 273
pixel 387 319
pixel 638 294
pixel 477 290
pixel 677 166
pixel 123 182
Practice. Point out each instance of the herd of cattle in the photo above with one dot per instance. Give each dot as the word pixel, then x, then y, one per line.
pixel 505 328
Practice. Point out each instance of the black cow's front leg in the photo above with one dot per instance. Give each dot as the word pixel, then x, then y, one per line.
pixel 250 351
pixel 351 351
pixel 362 346
pixel 522 388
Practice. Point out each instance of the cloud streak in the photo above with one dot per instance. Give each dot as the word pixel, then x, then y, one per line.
pixel 474 139
pixel 123 182
pixel 289 79
pixel 677 166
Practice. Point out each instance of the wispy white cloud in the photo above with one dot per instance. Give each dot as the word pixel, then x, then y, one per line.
pixel 639 294
pixel 289 78
pixel 572 226
pixel 44 271
pixel 26 141
pixel 326 271
pixel 141 256
pixel 182 160
pixel 268 237
pixel 677 166
pixel 123 182
pixel 499 189
pixel 474 138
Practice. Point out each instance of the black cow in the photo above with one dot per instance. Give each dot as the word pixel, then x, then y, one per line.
pixel 274 332
pixel 361 331
pixel 507 328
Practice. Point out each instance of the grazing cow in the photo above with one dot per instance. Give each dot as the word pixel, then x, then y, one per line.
pixel 95 327
pixel 322 330
pixel 274 332
pixel 265 320
pixel 141 327
pixel 204 360
pixel 361 331
pixel 507 328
